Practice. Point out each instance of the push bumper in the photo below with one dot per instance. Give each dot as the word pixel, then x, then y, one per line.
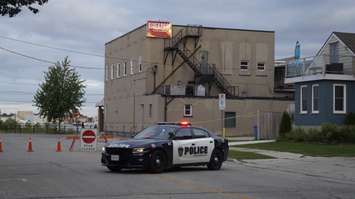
pixel 128 161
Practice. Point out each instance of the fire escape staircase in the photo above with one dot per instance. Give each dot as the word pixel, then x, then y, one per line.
pixel 203 72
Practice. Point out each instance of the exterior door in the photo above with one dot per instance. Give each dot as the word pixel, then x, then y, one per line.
pixel 181 146
pixel 190 147
pixel 204 145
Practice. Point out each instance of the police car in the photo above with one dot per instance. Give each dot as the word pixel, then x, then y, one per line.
pixel 166 145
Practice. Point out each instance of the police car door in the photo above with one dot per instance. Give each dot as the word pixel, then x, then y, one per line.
pixel 181 146
pixel 204 145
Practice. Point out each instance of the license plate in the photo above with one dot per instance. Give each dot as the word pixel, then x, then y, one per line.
pixel 115 157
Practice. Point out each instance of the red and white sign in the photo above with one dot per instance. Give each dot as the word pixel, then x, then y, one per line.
pixel 159 29
pixel 88 139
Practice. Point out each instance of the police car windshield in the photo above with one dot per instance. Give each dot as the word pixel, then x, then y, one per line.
pixel 156 132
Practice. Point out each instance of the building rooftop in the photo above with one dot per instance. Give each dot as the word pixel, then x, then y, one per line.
pixel 204 27
pixel 348 39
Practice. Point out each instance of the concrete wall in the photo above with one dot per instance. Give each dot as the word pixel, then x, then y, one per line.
pixel 206 113
pixel 128 98
pixel 325 114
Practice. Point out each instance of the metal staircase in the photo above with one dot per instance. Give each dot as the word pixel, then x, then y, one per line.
pixel 203 72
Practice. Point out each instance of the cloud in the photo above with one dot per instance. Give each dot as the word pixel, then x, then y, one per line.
pixel 86 25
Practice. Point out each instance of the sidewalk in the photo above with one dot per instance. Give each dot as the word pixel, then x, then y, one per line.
pixel 275 154
pixel 236 143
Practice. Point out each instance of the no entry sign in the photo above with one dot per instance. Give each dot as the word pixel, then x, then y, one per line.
pixel 88 139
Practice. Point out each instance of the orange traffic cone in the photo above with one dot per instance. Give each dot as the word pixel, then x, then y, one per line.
pixel 1 146
pixel 59 146
pixel 29 145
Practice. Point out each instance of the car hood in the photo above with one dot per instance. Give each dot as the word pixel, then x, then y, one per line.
pixel 132 143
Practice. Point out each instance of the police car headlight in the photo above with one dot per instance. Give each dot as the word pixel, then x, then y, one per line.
pixel 138 150
pixel 103 149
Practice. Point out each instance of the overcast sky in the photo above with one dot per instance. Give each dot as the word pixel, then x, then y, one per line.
pixel 86 25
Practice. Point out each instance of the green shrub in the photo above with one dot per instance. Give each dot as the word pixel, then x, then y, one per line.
pixel 328 133
pixel 9 124
pixel 285 125
pixel 350 119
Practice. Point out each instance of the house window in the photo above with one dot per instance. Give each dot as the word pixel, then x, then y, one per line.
pixel 125 69
pixel 118 70
pixel 334 54
pixel 244 65
pixel 260 66
pixel 188 110
pixel 112 71
pixel 303 99
pixel 339 98
pixel 150 110
pixel 315 98
pixel 230 120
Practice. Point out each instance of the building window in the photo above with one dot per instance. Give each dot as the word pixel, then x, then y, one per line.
pixel 112 71
pixel 125 69
pixel 339 98
pixel 140 63
pixel 244 65
pixel 303 99
pixel 188 110
pixel 131 67
pixel 150 110
pixel 315 98
pixel 230 120
pixel 333 53
pixel 118 70
pixel 106 72
pixel 260 66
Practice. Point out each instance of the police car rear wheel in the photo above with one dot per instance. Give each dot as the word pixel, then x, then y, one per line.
pixel 215 161
pixel 158 161
pixel 114 169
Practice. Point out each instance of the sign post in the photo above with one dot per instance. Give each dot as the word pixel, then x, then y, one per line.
pixel 222 107
pixel 88 140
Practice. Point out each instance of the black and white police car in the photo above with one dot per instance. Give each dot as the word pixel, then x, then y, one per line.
pixel 166 145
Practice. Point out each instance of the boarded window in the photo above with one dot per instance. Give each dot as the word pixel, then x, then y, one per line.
pixel 230 120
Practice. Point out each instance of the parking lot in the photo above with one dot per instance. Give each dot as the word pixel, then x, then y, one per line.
pixel 45 173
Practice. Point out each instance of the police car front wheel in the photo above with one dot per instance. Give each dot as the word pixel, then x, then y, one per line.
pixel 215 161
pixel 158 161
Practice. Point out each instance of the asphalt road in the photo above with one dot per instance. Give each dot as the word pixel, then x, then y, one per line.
pixel 47 174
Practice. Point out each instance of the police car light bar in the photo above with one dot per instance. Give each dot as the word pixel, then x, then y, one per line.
pixel 185 123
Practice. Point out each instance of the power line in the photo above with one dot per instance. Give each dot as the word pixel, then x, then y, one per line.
pixel 74 51
pixel 44 60
pixel 26 101
pixel 26 92
pixel 51 47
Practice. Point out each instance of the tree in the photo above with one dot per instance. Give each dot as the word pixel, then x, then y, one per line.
pixel 61 94
pixel 13 7
pixel 285 125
